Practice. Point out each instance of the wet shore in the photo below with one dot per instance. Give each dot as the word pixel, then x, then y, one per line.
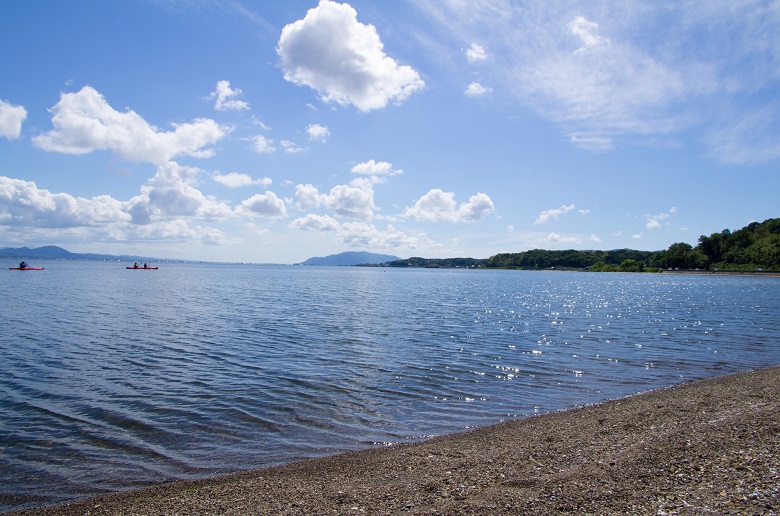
pixel 710 446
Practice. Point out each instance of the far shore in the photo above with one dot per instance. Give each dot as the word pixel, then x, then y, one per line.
pixel 755 274
pixel 708 446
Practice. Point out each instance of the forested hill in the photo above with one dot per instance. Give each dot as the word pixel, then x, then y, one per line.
pixel 756 246
pixel 539 259
pixel 534 259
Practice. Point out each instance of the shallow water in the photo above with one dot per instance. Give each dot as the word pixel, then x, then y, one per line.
pixel 113 379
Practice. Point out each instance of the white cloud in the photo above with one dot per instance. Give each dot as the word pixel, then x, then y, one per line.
pixel 264 205
pixel 177 230
pixel 637 236
pixel 11 118
pixel 226 100
pixel 595 238
pixel 553 214
pixel 475 53
pixel 84 122
pixel 475 89
pixel 555 237
pixel 308 197
pixel 263 145
pixel 171 193
pixel 344 60
pixel 236 180
pixel 354 201
pixel 317 132
pixel 438 205
pixel 362 235
pixel 373 168
pixel 477 206
pixel 164 213
pixel 312 222
pixel 160 212
pixel 23 204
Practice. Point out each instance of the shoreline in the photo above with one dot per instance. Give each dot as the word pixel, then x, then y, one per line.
pixel 751 274
pixel 709 445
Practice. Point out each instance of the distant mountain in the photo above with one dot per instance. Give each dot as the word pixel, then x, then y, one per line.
pixel 351 258
pixel 48 251
pixel 58 253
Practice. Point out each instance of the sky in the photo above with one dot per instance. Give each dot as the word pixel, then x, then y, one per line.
pixel 272 132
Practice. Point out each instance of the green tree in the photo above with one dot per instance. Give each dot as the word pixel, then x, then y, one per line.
pixel 681 256
pixel 631 266
pixel 604 267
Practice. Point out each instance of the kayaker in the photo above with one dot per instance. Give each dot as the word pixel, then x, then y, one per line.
pixel 135 265
pixel 23 264
pixel 146 266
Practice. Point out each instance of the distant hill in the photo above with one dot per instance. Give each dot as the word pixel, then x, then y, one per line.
pixel 351 258
pixel 58 253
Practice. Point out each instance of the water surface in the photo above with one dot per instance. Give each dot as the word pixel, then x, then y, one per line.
pixel 112 379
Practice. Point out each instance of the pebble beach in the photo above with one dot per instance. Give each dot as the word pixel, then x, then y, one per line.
pixel 707 446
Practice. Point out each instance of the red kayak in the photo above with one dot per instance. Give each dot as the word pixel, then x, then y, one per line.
pixel 25 268
pixel 142 268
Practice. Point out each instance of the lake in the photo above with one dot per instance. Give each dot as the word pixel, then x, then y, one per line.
pixel 114 379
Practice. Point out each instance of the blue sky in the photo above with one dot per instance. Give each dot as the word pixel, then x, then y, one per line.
pixel 271 132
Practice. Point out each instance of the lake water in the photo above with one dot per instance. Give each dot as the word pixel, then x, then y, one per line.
pixel 112 378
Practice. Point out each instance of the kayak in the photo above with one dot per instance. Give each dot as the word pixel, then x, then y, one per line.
pixel 142 268
pixel 25 268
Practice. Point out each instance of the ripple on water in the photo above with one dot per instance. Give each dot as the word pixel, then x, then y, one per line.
pixel 124 379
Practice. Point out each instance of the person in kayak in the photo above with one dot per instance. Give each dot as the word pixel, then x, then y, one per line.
pixel 23 264
pixel 135 265
pixel 146 266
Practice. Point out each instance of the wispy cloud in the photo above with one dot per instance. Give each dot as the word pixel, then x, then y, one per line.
pixel 554 214
pixel 226 98
pixel 614 74
pixel 237 180
pixel 654 221
pixel 565 239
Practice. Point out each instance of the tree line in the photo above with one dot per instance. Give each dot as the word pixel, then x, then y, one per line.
pixel 756 246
